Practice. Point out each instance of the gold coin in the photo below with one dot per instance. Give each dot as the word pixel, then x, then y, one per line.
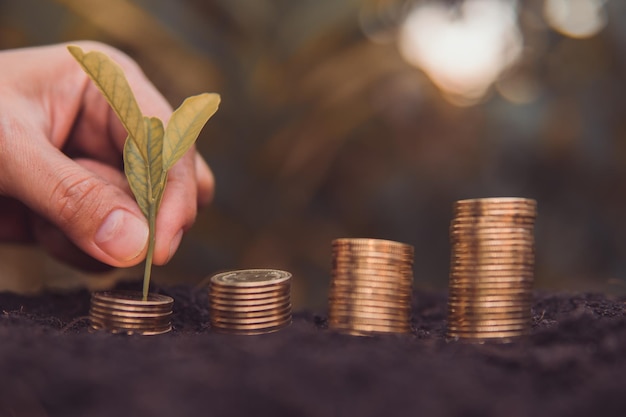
pixel 366 329
pixel 256 320
pixel 246 309
pixel 482 286
pixel 257 326
pixel 345 316
pixel 460 224
pixel 512 219
pixel 253 332
pixel 475 247
pixel 476 289
pixel 359 322
pixel 492 307
pixel 151 332
pixel 360 301
pixel 489 333
pixel 251 297
pixel 492 245
pixel 497 201
pixel 369 293
pixel 218 302
pixel 251 277
pixel 492 233
pixel 343 286
pixel 132 326
pixel 117 313
pixel 376 244
pixel 371 265
pixel 241 295
pixel 391 311
pixel 131 308
pixel 138 319
pixel 372 277
pixel 482 270
pixel 457 278
pixel 126 310
pixel 372 272
pixel 130 298
pixel 484 209
pixel 495 211
pixel 251 314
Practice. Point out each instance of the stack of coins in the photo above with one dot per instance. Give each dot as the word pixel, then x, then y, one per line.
pixel 251 301
pixel 126 312
pixel 371 286
pixel 492 269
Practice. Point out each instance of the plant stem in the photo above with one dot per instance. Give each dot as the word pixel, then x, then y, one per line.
pixel 151 241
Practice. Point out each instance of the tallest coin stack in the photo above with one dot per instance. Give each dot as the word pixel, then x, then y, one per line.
pixel 491 269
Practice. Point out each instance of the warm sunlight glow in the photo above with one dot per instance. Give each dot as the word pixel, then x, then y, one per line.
pixel 463 49
pixel 576 18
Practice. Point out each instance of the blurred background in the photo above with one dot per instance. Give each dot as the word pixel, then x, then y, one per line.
pixel 369 118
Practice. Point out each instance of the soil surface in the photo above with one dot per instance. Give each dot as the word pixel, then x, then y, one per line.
pixel 573 364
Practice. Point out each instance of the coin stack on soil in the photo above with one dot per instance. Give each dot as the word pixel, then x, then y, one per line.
pixel 371 286
pixel 250 301
pixel 491 269
pixel 126 312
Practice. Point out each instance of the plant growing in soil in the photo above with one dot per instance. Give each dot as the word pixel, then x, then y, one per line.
pixel 150 149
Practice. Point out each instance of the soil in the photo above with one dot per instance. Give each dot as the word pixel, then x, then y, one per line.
pixel 573 364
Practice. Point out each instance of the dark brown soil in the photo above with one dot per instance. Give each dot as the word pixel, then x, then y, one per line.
pixel 574 364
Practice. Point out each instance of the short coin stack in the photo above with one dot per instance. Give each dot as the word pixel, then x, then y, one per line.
pixel 126 312
pixel 250 301
pixel 492 269
pixel 371 286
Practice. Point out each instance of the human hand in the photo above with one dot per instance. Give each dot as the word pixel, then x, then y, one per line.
pixel 61 172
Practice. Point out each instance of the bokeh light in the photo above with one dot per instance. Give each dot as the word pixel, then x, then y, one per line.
pixel 463 49
pixel 576 18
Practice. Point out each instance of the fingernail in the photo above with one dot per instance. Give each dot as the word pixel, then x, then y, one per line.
pixel 122 235
pixel 174 245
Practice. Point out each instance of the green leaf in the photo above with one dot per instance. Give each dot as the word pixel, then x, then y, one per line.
pixel 111 81
pixel 154 149
pixel 137 174
pixel 185 126
pixel 146 176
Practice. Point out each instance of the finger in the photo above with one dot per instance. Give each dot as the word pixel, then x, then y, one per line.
pixel 178 208
pixel 100 218
pixel 205 181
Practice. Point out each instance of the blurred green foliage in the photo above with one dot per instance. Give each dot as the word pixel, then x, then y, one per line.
pixel 326 131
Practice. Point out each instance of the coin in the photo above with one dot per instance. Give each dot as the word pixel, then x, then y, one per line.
pixel 251 277
pixel 491 268
pixel 219 302
pixel 362 329
pixel 224 321
pixel 256 326
pixel 371 286
pixel 250 301
pixel 127 312
pixel 375 244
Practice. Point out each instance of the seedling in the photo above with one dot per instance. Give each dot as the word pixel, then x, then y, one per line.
pixel 150 150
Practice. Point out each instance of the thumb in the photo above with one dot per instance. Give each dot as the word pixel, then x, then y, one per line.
pixel 99 217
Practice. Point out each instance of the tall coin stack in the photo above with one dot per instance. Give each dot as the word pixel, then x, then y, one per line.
pixel 371 286
pixel 491 269
pixel 250 301
pixel 126 312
